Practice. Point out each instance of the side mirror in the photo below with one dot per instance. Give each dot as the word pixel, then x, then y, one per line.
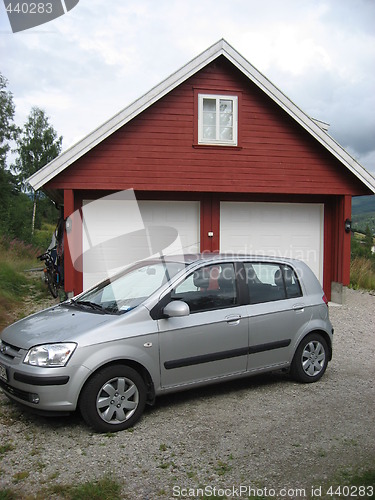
pixel 176 309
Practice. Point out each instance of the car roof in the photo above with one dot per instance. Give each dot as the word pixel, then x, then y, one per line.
pixel 193 260
pixel 210 256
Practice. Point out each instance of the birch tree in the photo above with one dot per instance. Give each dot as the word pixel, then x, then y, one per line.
pixel 37 145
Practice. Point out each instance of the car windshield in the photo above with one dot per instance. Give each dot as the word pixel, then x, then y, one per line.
pixel 125 292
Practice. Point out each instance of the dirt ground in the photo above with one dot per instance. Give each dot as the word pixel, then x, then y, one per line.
pixel 268 433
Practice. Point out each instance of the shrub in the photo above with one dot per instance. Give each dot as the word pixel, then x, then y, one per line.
pixel 13 250
pixel 15 257
pixel 12 282
pixel 362 273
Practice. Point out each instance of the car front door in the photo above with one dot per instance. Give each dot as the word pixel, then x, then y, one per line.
pixel 212 341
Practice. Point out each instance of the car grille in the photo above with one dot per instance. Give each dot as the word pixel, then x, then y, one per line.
pixel 9 351
pixel 25 396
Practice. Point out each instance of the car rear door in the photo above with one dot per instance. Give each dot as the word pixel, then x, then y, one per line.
pixel 277 313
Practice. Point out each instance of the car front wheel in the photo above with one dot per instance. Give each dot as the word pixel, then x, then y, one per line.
pixel 113 399
pixel 310 359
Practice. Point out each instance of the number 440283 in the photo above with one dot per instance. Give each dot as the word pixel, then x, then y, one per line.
pixel 29 8
pixel 351 491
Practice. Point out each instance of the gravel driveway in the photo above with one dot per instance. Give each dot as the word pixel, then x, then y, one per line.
pixel 265 432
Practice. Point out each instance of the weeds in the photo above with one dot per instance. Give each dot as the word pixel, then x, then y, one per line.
pixel 365 478
pixel 103 489
pixel 5 448
pixel 12 282
pixel 20 476
pixel 362 273
pixel 18 253
pixel 222 468
pixel 352 483
pixel 7 495
pixel 15 258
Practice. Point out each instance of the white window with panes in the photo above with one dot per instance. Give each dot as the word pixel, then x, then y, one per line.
pixel 217 119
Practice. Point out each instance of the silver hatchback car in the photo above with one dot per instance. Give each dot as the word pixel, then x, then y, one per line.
pixel 165 325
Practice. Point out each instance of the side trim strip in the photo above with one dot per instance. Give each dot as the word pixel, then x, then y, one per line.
pixel 27 379
pixel 269 346
pixel 217 356
pixel 205 358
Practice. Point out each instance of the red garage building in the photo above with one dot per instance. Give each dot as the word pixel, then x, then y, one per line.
pixel 217 151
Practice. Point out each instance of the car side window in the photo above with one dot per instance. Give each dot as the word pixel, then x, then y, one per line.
pixel 208 288
pixel 292 285
pixel 268 282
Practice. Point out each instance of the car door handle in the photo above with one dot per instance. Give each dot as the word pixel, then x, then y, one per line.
pixel 233 319
pixel 299 307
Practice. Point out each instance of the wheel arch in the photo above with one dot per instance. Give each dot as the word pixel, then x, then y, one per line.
pixel 326 337
pixel 138 367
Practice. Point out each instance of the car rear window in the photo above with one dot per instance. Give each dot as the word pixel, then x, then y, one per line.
pixel 268 282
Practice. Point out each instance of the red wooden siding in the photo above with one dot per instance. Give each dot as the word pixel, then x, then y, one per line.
pixel 336 268
pixel 157 150
pixel 276 160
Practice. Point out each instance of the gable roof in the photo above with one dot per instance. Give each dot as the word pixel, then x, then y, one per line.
pixel 314 127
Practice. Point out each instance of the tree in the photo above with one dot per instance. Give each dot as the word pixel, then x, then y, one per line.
pixel 8 130
pixel 11 206
pixel 37 145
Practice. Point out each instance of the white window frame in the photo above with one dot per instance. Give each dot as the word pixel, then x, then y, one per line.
pixel 217 140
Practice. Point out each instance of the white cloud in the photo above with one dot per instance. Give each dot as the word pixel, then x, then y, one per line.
pixel 90 63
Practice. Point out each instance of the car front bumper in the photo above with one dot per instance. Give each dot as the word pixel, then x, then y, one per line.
pixel 43 389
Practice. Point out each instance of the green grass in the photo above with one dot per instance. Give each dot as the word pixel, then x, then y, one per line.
pixel 7 494
pixel 20 476
pixel 365 478
pixel 15 258
pixel 5 448
pixel 222 468
pixel 103 489
pixel 12 283
pixel 42 237
pixel 109 489
pixel 362 273
pixel 361 484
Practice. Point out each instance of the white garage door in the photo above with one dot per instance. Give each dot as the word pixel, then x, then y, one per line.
pixel 277 229
pixel 108 219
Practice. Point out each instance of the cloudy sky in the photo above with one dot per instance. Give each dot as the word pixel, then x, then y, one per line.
pixel 87 65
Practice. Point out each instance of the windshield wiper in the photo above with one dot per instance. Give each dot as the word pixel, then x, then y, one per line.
pixel 111 308
pixel 93 305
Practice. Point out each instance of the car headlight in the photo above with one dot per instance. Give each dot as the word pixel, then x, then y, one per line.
pixel 50 354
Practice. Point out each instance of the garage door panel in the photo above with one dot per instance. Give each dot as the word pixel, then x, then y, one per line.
pixel 182 215
pixel 113 218
pixel 276 229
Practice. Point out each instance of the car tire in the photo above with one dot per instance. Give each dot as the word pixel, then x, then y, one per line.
pixel 113 399
pixel 310 359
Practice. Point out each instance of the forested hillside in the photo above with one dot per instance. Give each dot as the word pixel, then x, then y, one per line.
pixel 363 213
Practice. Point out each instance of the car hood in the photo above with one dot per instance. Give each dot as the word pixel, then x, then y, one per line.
pixel 57 324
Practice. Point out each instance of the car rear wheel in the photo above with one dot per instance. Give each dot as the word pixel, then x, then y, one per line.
pixel 310 359
pixel 113 399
